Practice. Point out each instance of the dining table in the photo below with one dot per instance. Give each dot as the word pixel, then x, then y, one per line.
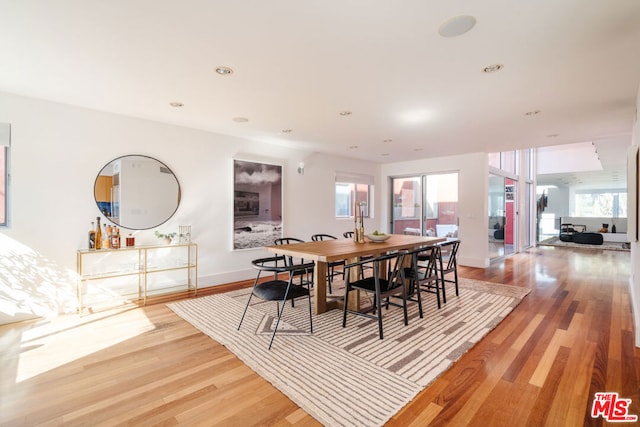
pixel 325 251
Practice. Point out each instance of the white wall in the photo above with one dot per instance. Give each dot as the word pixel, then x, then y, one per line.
pixel 472 197
pixel 57 151
pixel 634 281
pixel 558 201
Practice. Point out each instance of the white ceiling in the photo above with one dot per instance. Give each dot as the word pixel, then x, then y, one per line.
pixel 297 64
pixel 599 165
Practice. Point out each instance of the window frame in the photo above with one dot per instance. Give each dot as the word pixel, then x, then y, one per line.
pixel 353 198
pixel 614 193
pixel 5 152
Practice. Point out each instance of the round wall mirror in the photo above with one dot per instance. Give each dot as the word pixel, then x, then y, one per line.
pixel 137 192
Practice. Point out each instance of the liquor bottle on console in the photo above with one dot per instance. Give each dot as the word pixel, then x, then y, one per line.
pixel 115 238
pixel 106 237
pixel 108 232
pixel 92 237
pixel 98 234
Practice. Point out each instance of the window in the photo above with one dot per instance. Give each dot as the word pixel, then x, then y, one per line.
pixel 425 205
pixel 352 189
pixel 610 204
pixel 4 171
pixel 505 160
pixel 347 195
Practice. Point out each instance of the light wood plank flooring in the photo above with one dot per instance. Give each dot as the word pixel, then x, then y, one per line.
pixel 571 337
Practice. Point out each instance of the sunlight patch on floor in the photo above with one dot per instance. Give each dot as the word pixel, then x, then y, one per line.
pixel 89 337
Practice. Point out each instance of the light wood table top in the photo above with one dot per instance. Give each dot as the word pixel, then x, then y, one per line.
pixel 325 251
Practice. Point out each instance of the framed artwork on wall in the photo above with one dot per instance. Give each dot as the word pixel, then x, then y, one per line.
pixel 257 204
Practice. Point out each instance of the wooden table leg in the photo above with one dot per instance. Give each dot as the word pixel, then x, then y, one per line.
pixel 354 296
pixel 320 287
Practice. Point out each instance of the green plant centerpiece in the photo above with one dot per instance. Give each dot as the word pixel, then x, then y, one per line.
pixel 166 237
pixel 377 236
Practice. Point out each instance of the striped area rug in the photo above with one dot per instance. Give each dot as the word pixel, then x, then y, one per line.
pixel 348 376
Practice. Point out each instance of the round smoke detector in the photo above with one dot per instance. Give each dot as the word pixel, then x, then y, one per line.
pixel 457 26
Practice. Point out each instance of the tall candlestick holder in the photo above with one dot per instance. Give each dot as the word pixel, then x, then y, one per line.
pixel 358 232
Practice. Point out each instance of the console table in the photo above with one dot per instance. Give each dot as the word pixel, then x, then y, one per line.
pixel 137 272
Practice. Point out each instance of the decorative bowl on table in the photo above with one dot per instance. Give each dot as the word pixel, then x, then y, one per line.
pixel 378 237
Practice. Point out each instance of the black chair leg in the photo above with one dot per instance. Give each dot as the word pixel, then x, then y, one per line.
pixel 378 298
pixel 404 307
pixel 444 292
pixel 419 291
pixel 442 281
pixel 245 309
pixel 280 310
pixel 455 274
pixel 310 314
pixel 346 304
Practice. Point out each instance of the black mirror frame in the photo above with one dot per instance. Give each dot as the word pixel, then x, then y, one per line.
pixel 100 205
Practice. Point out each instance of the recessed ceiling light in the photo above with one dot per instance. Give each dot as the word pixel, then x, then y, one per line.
pixel 492 68
pixel 286 130
pixel 418 149
pixel 553 135
pixel 532 113
pixel 387 140
pixel 353 147
pixel 416 116
pixel 384 154
pixel 240 119
pixel 224 71
pixel 345 113
pixel 457 26
pixel 176 104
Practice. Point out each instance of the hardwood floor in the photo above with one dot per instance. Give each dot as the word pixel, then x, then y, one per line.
pixel 571 337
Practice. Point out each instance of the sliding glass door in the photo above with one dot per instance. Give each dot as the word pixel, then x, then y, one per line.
pixel 425 205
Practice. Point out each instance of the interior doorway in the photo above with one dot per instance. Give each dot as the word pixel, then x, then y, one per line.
pixel 503 224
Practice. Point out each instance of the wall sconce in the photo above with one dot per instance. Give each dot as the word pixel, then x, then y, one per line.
pixel 301 168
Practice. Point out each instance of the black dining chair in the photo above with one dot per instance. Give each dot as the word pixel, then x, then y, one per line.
pixel 331 266
pixel 392 283
pixel 278 290
pixel 349 235
pixel 305 277
pixel 448 263
pixel 422 274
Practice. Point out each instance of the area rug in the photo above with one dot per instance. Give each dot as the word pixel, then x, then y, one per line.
pixel 611 246
pixel 348 376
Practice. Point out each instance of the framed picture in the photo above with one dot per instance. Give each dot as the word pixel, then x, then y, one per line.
pixel 257 204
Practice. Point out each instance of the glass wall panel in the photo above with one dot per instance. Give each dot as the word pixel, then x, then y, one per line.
pixel 494 160
pixel 426 205
pixel 508 161
pixel 442 205
pixel 407 206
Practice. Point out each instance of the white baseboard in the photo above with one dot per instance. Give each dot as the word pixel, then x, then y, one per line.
pixel 473 262
pixel 223 278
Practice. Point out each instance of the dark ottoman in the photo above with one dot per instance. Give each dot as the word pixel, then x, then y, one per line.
pixel 588 238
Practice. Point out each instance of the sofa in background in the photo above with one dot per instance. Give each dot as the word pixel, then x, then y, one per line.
pixel 593 224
